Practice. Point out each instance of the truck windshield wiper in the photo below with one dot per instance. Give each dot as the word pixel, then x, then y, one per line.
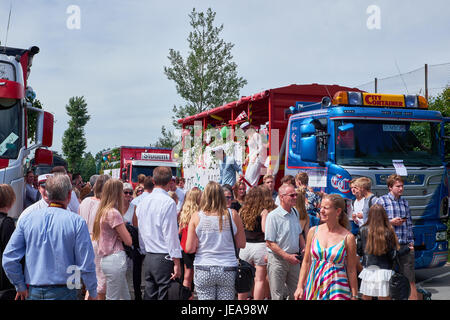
pixel 365 163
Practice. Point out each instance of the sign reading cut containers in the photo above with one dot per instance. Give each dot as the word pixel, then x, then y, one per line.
pixel 155 156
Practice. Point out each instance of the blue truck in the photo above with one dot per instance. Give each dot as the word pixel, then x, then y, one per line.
pixel 373 135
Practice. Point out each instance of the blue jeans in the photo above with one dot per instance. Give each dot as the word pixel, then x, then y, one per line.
pixel 355 228
pixel 51 293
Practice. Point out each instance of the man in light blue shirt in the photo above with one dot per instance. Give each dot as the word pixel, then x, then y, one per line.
pixel 57 248
pixel 283 239
pixel 228 169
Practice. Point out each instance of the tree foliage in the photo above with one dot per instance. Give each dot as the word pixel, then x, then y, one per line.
pixel 32 119
pixel 88 167
pixel 441 103
pixel 73 141
pixel 167 139
pixel 207 77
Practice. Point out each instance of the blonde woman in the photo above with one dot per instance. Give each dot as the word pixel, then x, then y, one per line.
pixel 328 270
pixel 88 210
pixel 210 237
pixel 190 206
pixel 109 230
pixel 253 216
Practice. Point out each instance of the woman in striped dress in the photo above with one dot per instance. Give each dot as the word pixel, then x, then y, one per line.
pixel 329 267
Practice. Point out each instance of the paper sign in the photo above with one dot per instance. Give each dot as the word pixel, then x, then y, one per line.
pixel 11 139
pixel 400 168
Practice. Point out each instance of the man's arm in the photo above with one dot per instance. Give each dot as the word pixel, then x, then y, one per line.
pixel 84 259
pixel 280 252
pixel 170 232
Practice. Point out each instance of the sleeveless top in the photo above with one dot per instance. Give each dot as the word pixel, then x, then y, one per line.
pixel 327 276
pixel 215 247
pixel 256 235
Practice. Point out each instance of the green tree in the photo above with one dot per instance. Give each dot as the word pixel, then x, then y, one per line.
pixel 441 103
pixel 32 119
pixel 88 167
pixel 73 141
pixel 207 77
pixel 167 139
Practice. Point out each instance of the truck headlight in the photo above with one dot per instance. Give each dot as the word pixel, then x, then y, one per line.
pixel 441 236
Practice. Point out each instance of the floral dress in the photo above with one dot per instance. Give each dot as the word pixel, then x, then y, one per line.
pixel 327 277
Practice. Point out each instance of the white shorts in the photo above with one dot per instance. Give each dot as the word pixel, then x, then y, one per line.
pixel 254 253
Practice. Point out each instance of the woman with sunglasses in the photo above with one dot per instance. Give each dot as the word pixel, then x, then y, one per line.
pixel 127 198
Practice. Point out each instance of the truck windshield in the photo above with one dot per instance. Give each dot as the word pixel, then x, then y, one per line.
pixel 147 170
pixel 373 143
pixel 10 136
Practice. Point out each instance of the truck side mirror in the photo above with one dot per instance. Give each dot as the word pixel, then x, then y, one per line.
pixel 43 156
pixel 44 128
pixel 346 127
pixel 47 133
pixel 308 143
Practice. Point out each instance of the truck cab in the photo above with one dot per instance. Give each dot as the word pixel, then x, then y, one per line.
pixel 15 67
pixel 128 162
pixel 368 134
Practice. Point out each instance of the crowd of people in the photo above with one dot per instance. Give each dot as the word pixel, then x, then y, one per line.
pixel 303 244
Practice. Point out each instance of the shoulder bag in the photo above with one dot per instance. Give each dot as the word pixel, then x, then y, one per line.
pixel 245 276
pixel 399 287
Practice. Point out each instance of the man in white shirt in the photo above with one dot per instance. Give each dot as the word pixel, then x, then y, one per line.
pixel 158 230
pixel 74 203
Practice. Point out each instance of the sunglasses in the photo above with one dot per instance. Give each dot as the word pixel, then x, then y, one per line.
pixel 292 195
pixel 228 197
pixel 128 192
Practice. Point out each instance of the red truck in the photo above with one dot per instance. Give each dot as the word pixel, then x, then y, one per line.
pixel 127 162
pixel 269 109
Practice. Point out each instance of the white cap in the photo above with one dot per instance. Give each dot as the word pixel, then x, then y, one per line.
pixel 43 177
pixel 245 125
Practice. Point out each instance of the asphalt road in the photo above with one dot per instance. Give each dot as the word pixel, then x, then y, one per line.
pixel 436 281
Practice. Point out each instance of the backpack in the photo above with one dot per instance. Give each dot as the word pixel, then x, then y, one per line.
pixel 370 200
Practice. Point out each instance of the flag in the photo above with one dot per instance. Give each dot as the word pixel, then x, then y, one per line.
pixel 241 116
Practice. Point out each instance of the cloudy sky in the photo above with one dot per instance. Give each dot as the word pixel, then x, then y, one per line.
pixel 116 58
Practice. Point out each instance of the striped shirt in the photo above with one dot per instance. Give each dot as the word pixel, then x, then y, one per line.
pixel 398 208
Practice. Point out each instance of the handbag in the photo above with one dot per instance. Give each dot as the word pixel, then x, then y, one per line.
pixel 399 287
pixel 245 276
